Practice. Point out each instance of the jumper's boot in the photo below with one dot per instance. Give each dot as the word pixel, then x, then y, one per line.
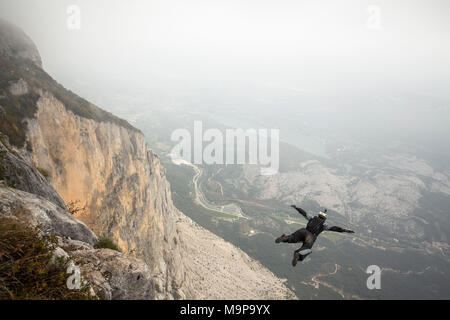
pixel 305 252
pixel 283 238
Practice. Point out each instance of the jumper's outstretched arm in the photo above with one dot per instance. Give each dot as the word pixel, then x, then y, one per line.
pixel 302 212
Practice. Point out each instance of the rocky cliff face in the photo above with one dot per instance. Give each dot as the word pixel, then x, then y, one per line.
pixel 101 162
pixel 111 274
pixel 110 169
pixel 25 193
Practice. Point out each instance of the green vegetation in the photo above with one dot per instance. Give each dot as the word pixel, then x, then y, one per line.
pixel 18 108
pixel 28 269
pixel 106 243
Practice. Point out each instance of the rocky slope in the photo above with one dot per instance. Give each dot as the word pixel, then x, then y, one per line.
pixel 112 275
pixel 222 271
pixel 102 162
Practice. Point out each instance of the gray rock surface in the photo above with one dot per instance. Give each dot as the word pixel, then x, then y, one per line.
pixel 40 212
pixel 19 88
pixel 17 173
pixel 112 275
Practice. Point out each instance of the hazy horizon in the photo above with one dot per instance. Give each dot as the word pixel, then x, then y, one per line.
pixel 381 65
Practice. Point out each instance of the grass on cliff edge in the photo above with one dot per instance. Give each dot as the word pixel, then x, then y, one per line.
pixel 27 271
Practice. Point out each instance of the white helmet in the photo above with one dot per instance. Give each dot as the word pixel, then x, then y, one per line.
pixel 323 215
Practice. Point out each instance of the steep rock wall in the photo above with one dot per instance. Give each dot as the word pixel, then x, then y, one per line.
pixel 110 170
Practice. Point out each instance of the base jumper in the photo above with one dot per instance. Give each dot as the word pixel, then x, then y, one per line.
pixel 309 234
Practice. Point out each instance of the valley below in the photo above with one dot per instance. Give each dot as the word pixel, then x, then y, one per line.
pixel 384 196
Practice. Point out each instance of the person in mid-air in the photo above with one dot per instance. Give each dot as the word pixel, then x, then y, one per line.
pixel 309 234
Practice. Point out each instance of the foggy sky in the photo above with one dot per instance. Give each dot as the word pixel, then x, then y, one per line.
pixel 304 48
pixel 304 44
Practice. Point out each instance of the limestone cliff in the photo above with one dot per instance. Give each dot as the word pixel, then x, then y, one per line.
pixel 92 157
pixel 111 274
pixel 110 169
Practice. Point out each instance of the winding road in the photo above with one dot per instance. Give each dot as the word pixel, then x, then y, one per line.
pixel 229 209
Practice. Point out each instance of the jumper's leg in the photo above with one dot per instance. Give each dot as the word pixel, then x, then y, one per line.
pixel 283 238
pixel 297 236
pixel 302 253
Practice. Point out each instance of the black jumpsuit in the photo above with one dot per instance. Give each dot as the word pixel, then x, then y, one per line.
pixel 309 234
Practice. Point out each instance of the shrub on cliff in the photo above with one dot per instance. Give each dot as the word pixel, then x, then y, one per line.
pixel 106 243
pixel 74 207
pixel 28 268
